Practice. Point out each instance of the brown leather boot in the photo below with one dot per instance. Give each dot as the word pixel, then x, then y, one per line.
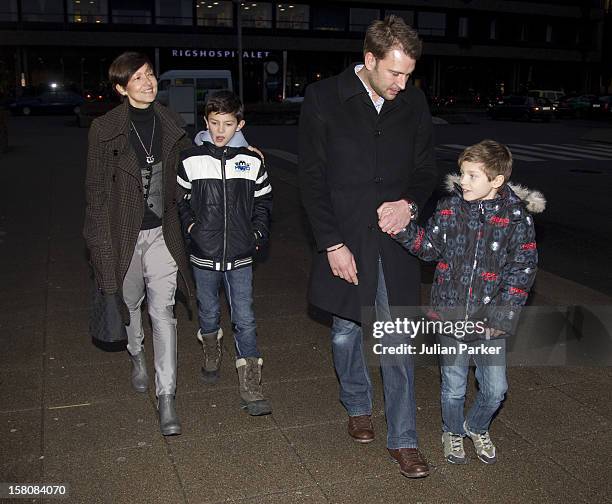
pixel 360 428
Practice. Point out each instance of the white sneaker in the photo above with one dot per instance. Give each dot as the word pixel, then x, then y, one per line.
pixel 485 449
pixel 453 448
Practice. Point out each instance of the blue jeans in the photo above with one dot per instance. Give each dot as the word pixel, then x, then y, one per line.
pixel 492 386
pixel 355 384
pixel 238 286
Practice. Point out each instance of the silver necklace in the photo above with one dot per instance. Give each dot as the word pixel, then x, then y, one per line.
pixel 149 153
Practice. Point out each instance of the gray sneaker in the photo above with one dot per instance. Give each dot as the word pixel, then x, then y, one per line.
pixel 485 449
pixel 453 448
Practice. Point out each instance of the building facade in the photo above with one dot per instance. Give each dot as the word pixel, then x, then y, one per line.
pixel 471 46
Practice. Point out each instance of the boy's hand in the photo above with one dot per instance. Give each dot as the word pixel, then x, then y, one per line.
pixel 491 332
pixel 342 263
pixel 257 151
pixel 393 216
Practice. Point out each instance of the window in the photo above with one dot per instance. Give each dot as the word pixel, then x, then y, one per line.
pixel 217 13
pixel 256 14
pixel 174 12
pixel 86 11
pixel 8 11
pixel 361 18
pixel 432 23
pixel 132 12
pixel 463 30
pixel 493 29
pixel 330 18
pixel 293 16
pixel 549 31
pixel 407 15
pixel 49 11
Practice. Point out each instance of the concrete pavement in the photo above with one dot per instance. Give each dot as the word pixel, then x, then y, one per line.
pixel 68 414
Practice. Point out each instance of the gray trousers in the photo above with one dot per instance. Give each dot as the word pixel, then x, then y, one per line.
pixel 153 272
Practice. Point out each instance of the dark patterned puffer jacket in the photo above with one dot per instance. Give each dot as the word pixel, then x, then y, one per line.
pixel 486 253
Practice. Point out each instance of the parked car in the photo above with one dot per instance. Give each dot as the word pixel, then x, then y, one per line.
pixel 522 107
pixel 602 108
pixel 550 94
pixel 577 106
pixel 89 110
pixel 49 102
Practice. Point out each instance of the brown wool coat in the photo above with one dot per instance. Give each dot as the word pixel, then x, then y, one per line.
pixel 114 197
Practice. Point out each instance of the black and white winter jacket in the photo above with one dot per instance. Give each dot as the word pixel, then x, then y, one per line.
pixel 486 253
pixel 228 199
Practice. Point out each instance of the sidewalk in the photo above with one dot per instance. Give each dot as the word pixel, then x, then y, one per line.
pixel 69 415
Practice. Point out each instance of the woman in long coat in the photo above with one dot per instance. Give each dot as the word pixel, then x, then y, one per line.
pixel 131 227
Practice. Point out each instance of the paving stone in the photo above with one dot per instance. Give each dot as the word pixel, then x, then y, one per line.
pixel 143 474
pixel 216 412
pixel 127 423
pixel 238 466
pixel 22 389
pixel 585 457
pixel 393 488
pixel 22 347
pixel 96 382
pixel 532 414
pixel 306 495
pixel 20 434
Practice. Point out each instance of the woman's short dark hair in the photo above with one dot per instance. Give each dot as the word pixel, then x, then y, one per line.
pixel 124 66
pixel 391 33
pixel 224 102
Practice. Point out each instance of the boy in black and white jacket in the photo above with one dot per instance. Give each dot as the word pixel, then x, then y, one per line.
pixel 225 213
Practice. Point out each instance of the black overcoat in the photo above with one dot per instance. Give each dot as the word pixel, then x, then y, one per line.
pixel 351 160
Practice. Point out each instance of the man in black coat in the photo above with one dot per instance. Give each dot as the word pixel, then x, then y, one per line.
pixel 367 165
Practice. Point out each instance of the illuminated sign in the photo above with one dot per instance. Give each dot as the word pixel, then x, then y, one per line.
pixel 217 53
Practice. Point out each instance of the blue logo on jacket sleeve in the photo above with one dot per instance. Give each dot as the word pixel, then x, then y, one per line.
pixel 242 166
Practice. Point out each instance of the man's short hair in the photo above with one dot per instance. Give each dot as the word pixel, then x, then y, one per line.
pixel 495 157
pixel 125 65
pixel 390 33
pixel 224 102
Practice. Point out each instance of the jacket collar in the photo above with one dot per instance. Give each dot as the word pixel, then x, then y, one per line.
pixel 118 123
pixel 350 85
pixel 217 152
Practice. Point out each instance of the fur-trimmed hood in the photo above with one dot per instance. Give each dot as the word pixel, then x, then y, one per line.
pixel 534 200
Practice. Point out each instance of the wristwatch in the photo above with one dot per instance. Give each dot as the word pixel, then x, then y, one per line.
pixel 414 209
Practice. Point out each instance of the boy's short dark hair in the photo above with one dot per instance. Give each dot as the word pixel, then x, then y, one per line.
pixel 125 65
pixel 494 156
pixel 391 33
pixel 224 102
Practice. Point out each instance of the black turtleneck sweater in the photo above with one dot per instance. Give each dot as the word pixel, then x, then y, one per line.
pixel 142 122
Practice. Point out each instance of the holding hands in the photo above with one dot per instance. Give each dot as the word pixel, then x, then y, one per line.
pixel 393 216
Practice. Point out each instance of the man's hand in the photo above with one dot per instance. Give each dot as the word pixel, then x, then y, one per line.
pixel 393 216
pixel 257 151
pixel 342 263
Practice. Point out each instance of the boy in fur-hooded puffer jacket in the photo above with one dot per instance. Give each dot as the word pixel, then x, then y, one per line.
pixel 483 237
